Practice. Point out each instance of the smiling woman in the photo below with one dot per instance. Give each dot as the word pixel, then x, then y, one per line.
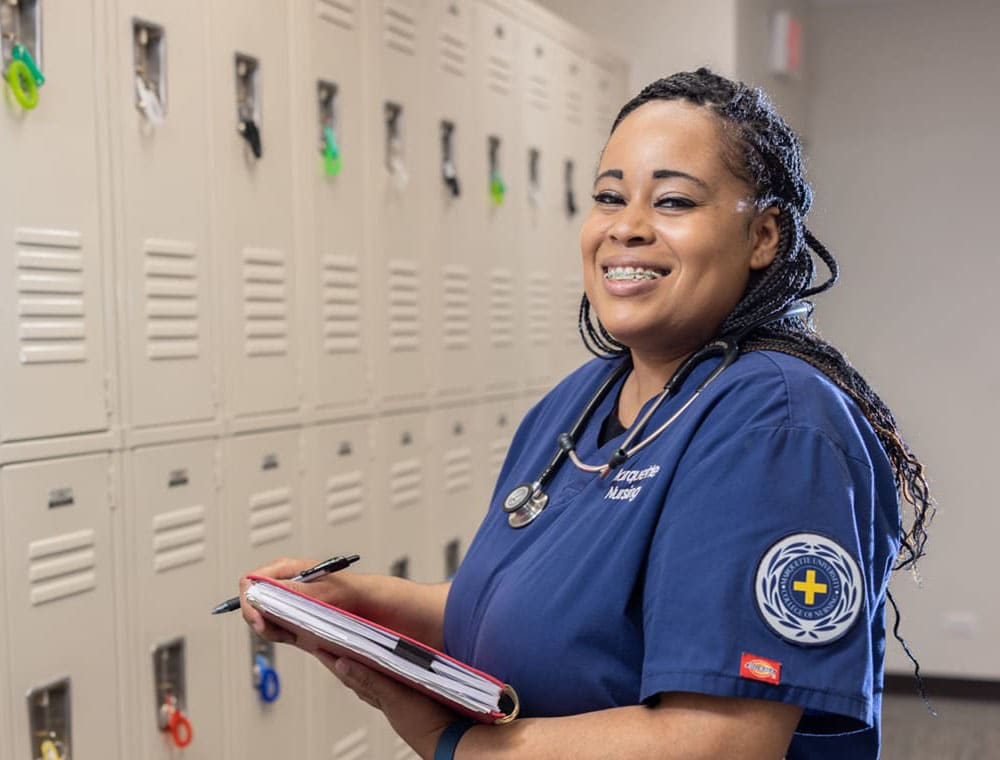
pixel 717 589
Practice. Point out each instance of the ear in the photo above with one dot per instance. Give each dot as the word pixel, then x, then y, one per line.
pixel 765 236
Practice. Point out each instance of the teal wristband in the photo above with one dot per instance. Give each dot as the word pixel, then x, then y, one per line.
pixel 449 740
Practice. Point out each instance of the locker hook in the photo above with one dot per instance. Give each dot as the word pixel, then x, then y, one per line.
pixel 332 162
pixel 248 130
pixel 266 680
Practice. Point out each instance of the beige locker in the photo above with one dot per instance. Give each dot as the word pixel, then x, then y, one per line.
pixel 328 98
pixel 542 206
pixel 5 709
pixel 252 228
pixel 339 519
pixel 456 466
pixel 402 146
pixel 577 161
pixel 172 546
pixel 498 423
pixel 453 188
pixel 262 521
pixel 498 86
pixel 160 108
pixel 52 321
pixel 60 607
pixel 401 462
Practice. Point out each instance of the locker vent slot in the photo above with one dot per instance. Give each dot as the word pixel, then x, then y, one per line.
pixel 265 302
pixel 498 74
pixel 178 538
pixel 51 296
pixel 338 12
pixel 458 470
pixel 344 497
pixel 401 751
pixel 498 452
pixel 62 566
pixel 572 293
pixel 453 52
pixel 354 746
pixel 574 107
pixel 341 305
pixel 405 480
pixel 457 305
pixel 399 27
pixel 270 516
pixel 172 313
pixel 404 305
pixel 501 308
pixel 538 310
pixel 538 92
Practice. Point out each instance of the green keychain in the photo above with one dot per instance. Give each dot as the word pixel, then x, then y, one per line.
pixel 332 162
pixel 497 189
pixel 24 77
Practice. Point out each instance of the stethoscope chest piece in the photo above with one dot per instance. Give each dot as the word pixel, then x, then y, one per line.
pixel 524 504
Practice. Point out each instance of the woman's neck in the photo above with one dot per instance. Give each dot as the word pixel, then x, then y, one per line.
pixel 648 376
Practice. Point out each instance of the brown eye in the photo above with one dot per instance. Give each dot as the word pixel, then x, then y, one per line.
pixel 608 198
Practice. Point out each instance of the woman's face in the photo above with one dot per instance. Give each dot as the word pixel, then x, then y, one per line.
pixel 672 236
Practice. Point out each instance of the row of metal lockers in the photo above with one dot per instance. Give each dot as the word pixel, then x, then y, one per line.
pixel 259 212
pixel 281 278
pixel 112 562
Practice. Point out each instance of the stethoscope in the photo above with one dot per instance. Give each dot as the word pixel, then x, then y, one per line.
pixel 527 500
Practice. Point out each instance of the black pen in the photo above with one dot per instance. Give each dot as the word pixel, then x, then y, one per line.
pixel 331 565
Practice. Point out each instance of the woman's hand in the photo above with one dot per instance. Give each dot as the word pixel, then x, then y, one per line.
pixel 417 719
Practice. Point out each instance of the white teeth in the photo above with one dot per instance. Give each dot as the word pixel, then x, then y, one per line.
pixel 631 273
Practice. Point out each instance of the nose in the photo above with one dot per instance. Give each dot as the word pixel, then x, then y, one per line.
pixel 631 227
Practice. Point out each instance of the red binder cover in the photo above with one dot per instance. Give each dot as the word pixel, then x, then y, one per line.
pixel 407 648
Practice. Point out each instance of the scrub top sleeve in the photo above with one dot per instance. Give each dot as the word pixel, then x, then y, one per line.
pixel 804 630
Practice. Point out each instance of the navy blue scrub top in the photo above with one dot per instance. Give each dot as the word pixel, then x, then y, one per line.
pixel 744 553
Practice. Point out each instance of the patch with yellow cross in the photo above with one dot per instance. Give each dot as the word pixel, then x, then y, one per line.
pixel 809 589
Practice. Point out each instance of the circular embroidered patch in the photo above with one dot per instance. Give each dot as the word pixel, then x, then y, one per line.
pixel 809 589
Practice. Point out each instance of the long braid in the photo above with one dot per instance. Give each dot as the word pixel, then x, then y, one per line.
pixel 760 148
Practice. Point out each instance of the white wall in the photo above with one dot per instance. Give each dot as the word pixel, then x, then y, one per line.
pixel 905 160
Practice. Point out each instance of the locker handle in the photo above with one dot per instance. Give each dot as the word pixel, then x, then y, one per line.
pixel 570 197
pixel 149 102
pixel 177 724
pixel 248 130
pixel 332 162
pixel 394 146
pixel 266 680
pixel 497 187
pixel 448 171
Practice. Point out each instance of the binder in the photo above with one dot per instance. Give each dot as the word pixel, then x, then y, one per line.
pixel 318 625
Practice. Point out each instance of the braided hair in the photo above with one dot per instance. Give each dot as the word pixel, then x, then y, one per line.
pixel 761 149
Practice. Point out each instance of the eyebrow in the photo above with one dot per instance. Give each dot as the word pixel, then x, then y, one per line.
pixel 658 174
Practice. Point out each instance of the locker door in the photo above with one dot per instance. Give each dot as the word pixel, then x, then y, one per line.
pixel 576 179
pixel 163 256
pixel 453 189
pixel 401 161
pixel 173 560
pixel 252 222
pixel 329 88
pixel 498 422
pixel 60 613
pixel 339 519
pixel 263 520
pixel 52 331
pixel 542 204
pixel 458 453
pixel 497 84
pixel 6 728
pixel 401 462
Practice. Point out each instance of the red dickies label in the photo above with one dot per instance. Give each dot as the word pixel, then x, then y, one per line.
pixel 760 669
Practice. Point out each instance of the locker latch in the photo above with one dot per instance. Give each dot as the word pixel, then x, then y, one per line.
pixel 534 177
pixel 326 96
pixel 171 692
pixel 49 721
pixel 570 196
pixel 394 145
pixel 497 187
pixel 400 568
pixel 148 49
pixel 21 46
pixel 448 171
pixel 452 558
pixel 248 102
pixel 264 675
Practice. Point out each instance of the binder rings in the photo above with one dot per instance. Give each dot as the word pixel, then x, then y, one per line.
pixel 319 625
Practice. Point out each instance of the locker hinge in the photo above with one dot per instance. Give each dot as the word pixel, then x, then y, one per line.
pixel 217 467
pixel 112 501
